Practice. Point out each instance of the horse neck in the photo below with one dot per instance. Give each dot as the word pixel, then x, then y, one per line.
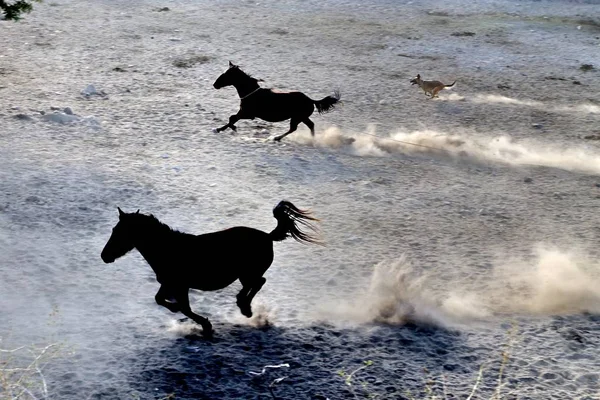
pixel 246 86
pixel 153 243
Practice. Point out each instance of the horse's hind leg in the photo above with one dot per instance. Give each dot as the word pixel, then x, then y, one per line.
pixel 164 297
pixel 184 306
pixel 242 303
pixel 310 124
pixel 246 295
pixel 255 289
pixel 293 126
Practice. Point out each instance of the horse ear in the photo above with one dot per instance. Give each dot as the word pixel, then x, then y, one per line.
pixel 121 213
pixel 138 211
pixel 418 76
pixel 231 65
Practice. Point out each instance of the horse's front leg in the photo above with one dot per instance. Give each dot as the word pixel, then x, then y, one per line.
pixel 233 119
pixel 184 306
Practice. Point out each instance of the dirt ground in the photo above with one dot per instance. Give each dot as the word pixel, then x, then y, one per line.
pixel 458 229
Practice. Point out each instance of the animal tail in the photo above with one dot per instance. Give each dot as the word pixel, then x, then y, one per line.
pixel 451 84
pixel 288 217
pixel 328 103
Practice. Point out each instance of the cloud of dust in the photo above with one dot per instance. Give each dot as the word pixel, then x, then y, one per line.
pixel 185 328
pixel 464 146
pixel 552 282
pixel 583 108
pixel 263 315
pixel 557 282
pixel 397 294
pixel 499 99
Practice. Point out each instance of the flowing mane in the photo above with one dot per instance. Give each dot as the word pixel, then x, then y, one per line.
pixel 248 76
pixel 148 222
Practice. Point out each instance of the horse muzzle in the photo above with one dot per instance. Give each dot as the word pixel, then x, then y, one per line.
pixel 107 259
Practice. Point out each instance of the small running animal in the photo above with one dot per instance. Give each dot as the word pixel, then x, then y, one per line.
pixel 431 87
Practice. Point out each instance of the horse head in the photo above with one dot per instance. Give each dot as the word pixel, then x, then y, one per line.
pixel 228 77
pixel 416 80
pixel 121 239
pixel 233 76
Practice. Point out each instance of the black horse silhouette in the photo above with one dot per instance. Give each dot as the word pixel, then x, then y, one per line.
pixel 209 261
pixel 269 105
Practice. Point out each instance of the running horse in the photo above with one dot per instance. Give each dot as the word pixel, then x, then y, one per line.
pixel 211 261
pixel 270 105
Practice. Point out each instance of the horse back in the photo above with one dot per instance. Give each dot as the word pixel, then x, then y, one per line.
pixel 212 261
pixel 274 106
pixel 238 244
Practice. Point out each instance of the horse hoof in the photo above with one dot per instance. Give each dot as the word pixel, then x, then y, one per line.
pixel 247 313
pixel 207 333
pixel 277 138
pixel 215 130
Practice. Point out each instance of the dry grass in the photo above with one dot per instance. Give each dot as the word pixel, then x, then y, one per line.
pixel 22 371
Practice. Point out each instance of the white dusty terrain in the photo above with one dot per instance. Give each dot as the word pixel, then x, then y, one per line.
pixel 454 226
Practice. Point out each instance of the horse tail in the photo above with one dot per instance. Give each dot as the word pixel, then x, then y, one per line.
pixel 452 84
pixel 288 217
pixel 327 104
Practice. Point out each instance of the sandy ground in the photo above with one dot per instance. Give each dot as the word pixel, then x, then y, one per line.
pixel 457 228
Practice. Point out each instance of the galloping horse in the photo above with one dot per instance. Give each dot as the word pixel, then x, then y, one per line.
pixel 268 105
pixel 211 261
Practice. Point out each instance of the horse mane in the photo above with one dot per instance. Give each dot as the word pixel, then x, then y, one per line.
pixel 151 222
pixel 247 75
